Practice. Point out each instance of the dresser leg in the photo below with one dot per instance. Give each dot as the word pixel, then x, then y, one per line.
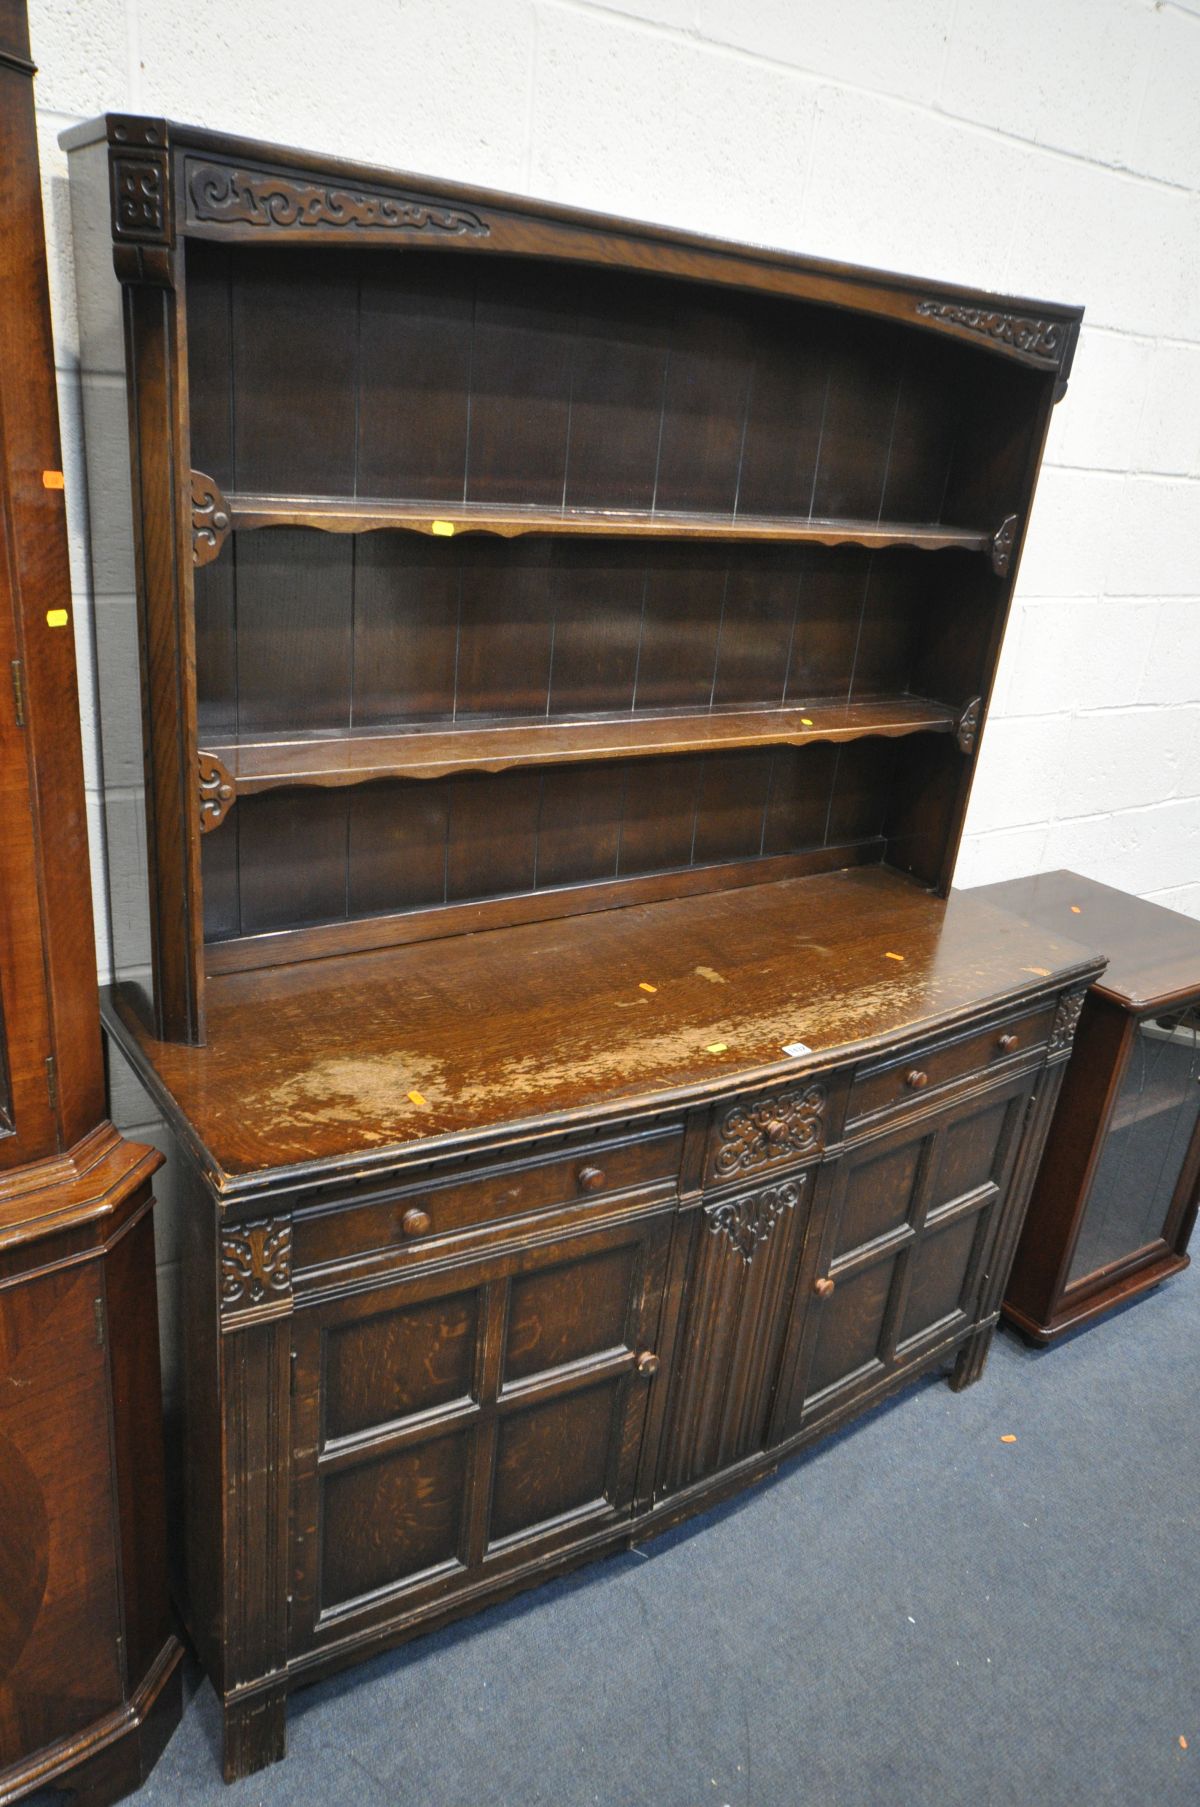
pixel 254 1732
pixel 972 1359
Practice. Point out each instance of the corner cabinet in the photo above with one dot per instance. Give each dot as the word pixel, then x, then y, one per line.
pixel 565 645
pixel 89 1663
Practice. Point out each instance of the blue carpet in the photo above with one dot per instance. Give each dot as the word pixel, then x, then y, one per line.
pixel 912 1615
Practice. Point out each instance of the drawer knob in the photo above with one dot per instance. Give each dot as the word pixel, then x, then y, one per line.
pixel 1007 1043
pixel 824 1287
pixel 415 1222
pixel 916 1079
pixel 590 1179
pixel 777 1130
pixel 647 1363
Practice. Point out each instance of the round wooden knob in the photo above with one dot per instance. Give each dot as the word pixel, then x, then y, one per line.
pixel 647 1363
pixel 590 1179
pixel 1007 1043
pixel 824 1287
pixel 777 1130
pixel 916 1079
pixel 415 1222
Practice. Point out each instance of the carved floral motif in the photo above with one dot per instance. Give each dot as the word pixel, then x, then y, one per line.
pixel 1066 1021
pixel 772 1129
pixel 256 1261
pixel 1036 338
pixel 746 1222
pixel 139 209
pixel 217 791
pixel 256 198
pixel 968 725
pixel 210 519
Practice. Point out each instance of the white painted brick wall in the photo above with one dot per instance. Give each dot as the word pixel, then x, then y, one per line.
pixel 1043 146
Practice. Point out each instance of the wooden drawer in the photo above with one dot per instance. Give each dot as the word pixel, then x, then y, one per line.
pixel 907 1080
pixel 405 1218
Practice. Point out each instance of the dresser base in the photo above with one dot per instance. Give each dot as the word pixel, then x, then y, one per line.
pixel 254 1717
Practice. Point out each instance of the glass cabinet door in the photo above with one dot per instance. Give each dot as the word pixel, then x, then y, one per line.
pixel 1132 1203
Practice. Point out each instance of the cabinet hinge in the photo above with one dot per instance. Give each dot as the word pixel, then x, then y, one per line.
pixel 52 1081
pixel 98 1310
pixel 18 684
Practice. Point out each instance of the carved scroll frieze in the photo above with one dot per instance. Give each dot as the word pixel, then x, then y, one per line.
pixel 1066 1021
pixel 210 519
pixel 747 1221
pixel 220 193
pixel 217 792
pixel 1002 544
pixel 765 1131
pixel 967 732
pixel 256 1262
pixel 1041 339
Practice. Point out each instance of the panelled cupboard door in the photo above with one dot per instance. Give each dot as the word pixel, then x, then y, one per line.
pixel 908 1221
pixel 741 1280
pixel 462 1423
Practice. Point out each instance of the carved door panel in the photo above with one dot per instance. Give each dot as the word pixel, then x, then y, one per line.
pixel 59 1611
pixel 907 1223
pixel 745 1251
pixel 459 1424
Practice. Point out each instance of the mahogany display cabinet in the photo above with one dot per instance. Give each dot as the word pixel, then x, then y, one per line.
pixel 89 1664
pixel 1115 1200
pixel 565 645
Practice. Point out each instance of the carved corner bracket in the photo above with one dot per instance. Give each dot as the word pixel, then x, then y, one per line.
pixel 218 792
pixel 765 1131
pixel 211 519
pixel 140 183
pixel 967 732
pixel 1066 1021
pixel 1039 339
pixel 256 1263
pixel 1002 544
pixel 746 1222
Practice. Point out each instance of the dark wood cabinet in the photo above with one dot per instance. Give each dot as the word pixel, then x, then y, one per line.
pixel 1116 1200
pixel 89 1667
pixel 565 645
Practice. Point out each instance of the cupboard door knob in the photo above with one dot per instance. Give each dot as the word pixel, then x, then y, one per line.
pixel 647 1363
pixel 415 1222
pixel 590 1179
pixel 824 1287
pixel 1007 1043
pixel 916 1079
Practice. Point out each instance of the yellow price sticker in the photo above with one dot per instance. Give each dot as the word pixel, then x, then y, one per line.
pixel 443 529
pixel 56 617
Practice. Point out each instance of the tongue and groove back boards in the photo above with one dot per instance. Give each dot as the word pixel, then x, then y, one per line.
pixel 527 562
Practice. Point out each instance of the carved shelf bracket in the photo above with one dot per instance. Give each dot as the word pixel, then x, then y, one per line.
pixel 1066 1021
pixel 256 1262
pixel 1002 544
pixel 746 1222
pixel 1040 339
pixel 218 792
pixel 968 725
pixel 210 519
pixel 770 1130
pixel 257 197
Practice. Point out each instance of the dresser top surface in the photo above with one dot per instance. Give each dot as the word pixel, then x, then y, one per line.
pixel 1153 954
pixel 362 1060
